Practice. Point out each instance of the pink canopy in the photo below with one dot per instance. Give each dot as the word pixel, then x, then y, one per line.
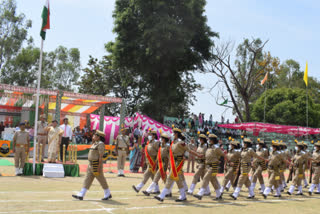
pixel 265 127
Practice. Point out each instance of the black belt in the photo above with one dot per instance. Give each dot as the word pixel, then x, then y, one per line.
pixel 245 164
pixel 122 149
pixel 178 158
pixel 199 161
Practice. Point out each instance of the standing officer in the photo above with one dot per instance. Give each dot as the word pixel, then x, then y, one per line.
pixel 66 137
pixel 151 152
pixel 315 168
pixel 95 167
pixel 42 137
pixel 21 145
pixel 122 150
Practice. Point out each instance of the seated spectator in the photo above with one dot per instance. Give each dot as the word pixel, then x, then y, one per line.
pixel 78 135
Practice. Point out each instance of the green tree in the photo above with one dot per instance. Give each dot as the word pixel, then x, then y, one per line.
pixel 286 106
pixel 162 42
pixel 13 31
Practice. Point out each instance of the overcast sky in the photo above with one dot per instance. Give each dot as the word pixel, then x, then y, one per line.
pixel 292 27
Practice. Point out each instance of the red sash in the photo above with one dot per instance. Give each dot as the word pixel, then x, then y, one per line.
pixel 151 161
pixel 162 172
pixel 175 170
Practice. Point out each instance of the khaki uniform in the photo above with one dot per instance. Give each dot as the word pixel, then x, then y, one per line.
pixel 316 167
pixel 299 160
pixel 306 164
pixel 165 160
pixel 152 149
pixel 201 166
pixel 230 172
pixel 276 158
pixel 212 157
pixel 178 150
pixel 21 139
pixel 283 164
pixel 122 142
pixel 42 138
pixel 93 171
pixel 246 156
pixel 259 166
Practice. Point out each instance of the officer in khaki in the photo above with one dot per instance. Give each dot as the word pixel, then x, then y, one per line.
pixel 232 164
pixel 247 154
pixel 283 166
pixel 178 148
pixel 306 164
pixel 212 157
pixel 95 167
pixel 21 145
pixel 202 148
pixel 42 137
pixel 122 149
pixel 151 152
pixel 315 168
pixel 164 151
pixel 259 166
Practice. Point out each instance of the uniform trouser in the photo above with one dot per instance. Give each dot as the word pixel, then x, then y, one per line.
pixel 191 161
pixel 316 175
pixel 90 177
pixel 244 177
pixel 273 178
pixel 157 176
pixel 64 141
pixel 122 155
pixel 257 175
pixel 20 157
pixel 179 182
pixel 228 176
pixel 208 177
pixel 298 177
pixel 147 174
pixel 282 177
pixel 199 173
pixel 41 140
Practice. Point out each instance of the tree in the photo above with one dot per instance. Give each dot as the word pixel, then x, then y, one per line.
pixel 286 106
pixel 242 81
pixel 162 43
pixel 13 31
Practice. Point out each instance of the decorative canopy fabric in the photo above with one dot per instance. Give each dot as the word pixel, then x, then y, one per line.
pixel 256 128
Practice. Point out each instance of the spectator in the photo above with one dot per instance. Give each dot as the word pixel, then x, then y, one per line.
pixel 222 119
pixel 31 133
pixel 78 135
pixel 136 133
pixel 191 158
pixel 210 120
pixel 1 128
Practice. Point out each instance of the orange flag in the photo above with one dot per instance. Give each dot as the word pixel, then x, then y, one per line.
pixel 264 79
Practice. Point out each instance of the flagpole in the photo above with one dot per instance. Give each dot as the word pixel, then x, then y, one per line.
pixel 265 103
pixel 37 110
pixel 307 107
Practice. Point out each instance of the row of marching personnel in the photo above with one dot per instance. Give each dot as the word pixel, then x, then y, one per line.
pixel 243 167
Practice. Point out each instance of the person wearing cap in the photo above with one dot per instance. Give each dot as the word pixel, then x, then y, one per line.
pixel 66 137
pixel 316 169
pixel 212 157
pixel 306 164
pixel 122 150
pixel 232 163
pixel 21 145
pixel 247 154
pixel 151 152
pixel 177 149
pixel 54 140
pixel 163 162
pixel 42 137
pixel 298 161
pixel 283 166
pixel 258 166
pixel 95 167
pixel 201 166
pixel 274 162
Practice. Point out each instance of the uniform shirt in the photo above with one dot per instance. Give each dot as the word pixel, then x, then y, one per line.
pixel 247 154
pixel 213 154
pixel 41 127
pixel 179 148
pixel 316 156
pixel 164 149
pixel 276 158
pixel 152 149
pixel 122 141
pixel 233 155
pixel 67 131
pixel 261 152
pixel 96 150
pixel 299 159
pixel 202 150
pixel 21 137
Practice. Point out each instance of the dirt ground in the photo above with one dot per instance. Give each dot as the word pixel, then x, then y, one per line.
pixel 35 194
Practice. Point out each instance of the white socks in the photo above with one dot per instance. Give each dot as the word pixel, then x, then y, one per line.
pixel 83 192
pixel 267 191
pixel 151 187
pixel 236 192
pixel 299 189
pixel 17 171
pixel 305 182
pixel 21 171
pixel 313 186
pixel 106 193
pixel 222 189
pixel 208 191
pixel 229 184
pixel 182 194
pixel 218 193
pixel 278 191
pixel 263 187
pixel 139 186
pixel 164 192
pixel 291 189
pixel 191 189
pixel 251 191
pixel 253 186
pixel 156 188
pixel 201 191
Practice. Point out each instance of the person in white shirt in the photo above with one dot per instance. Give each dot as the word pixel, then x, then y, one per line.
pixel 66 136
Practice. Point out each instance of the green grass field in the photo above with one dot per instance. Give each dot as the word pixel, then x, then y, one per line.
pixel 53 195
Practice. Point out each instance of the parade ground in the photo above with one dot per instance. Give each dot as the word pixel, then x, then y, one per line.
pixel 36 194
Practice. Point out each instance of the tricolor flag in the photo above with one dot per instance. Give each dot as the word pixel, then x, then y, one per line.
pixel 45 20
pixel 305 78
pixel 264 79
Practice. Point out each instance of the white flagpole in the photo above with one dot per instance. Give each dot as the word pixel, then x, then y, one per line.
pixel 37 111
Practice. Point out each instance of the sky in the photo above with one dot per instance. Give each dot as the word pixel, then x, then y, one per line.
pixel 291 26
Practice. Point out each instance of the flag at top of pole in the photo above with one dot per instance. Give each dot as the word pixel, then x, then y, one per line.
pixel 45 20
pixel 264 79
pixel 305 78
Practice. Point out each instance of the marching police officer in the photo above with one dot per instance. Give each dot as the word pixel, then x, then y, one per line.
pixel 122 150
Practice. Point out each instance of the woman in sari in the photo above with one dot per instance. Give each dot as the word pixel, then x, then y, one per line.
pixel 54 140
